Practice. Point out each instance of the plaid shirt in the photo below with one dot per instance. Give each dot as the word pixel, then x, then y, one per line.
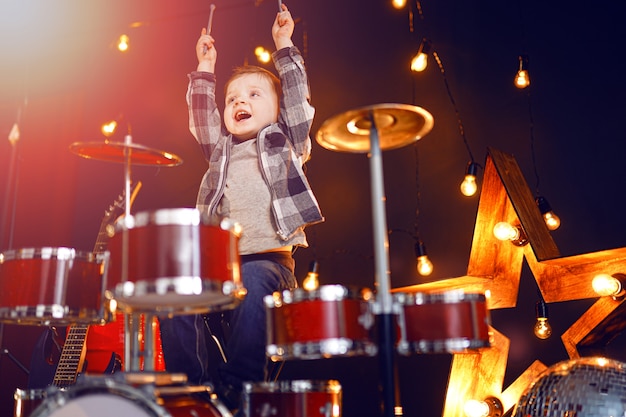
pixel 283 147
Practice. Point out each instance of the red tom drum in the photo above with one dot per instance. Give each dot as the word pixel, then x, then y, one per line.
pixel 52 285
pixel 300 398
pixel 449 322
pixel 174 261
pixel 331 321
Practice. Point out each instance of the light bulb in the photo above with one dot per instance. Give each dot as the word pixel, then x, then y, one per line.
pixel 490 407
pixel 606 285
pixel 469 186
pixel 311 281
pixel 262 54
pixel 398 4
pixel 542 328
pixel 123 43
pixel 109 128
pixel 552 220
pixel 424 265
pixel 522 78
pixel 475 408
pixel 420 60
pixel 505 231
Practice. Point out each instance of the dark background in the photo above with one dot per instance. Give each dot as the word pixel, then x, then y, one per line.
pixel 61 78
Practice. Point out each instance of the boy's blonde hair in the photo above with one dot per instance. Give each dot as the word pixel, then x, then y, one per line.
pixel 252 69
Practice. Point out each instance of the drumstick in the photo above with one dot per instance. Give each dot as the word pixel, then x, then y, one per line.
pixel 209 25
pixel 280 6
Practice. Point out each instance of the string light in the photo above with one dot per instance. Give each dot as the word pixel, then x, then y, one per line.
pixel 552 220
pixel 522 78
pixel 542 328
pixel 123 43
pixel 469 185
pixel 398 4
pixel 424 265
pixel 311 281
pixel 262 54
pixel 420 60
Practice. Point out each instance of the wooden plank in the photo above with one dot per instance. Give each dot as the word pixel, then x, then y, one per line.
pixel 524 204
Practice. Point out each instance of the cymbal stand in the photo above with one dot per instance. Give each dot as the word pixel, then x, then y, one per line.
pixel 131 320
pixel 384 304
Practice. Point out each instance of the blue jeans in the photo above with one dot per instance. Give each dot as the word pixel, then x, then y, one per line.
pixel 184 338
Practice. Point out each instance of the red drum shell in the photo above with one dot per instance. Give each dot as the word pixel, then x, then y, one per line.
pixel 331 321
pixel 300 398
pixel 176 264
pixel 451 322
pixel 52 285
pixel 100 396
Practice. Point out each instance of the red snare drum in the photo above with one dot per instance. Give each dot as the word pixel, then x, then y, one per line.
pixel 292 398
pixel 43 286
pixel 330 321
pixel 437 323
pixel 177 263
pixel 106 397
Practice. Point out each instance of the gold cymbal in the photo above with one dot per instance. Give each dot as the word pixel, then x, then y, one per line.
pixel 118 152
pixel 397 124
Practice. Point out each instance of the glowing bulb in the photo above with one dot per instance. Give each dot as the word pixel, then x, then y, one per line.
pixel 542 329
pixel 606 285
pixel 522 79
pixel 469 186
pixel 552 220
pixel 262 54
pixel 109 128
pixel 420 60
pixel 475 408
pixel 505 231
pixel 398 4
pixel 311 281
pixel 123 43
pixel 424 265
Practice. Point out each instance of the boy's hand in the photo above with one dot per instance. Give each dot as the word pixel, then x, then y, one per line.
pixel 206 52
pixel 283 29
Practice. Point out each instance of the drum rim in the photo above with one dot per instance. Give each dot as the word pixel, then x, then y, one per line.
pixel 332 386
pixel 62 253
pixel 329 292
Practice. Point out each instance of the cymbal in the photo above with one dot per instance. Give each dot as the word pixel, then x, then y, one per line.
pixel 118 151
pixel 397 124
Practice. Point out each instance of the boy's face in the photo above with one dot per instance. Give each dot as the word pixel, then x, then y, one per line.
pixel 251 104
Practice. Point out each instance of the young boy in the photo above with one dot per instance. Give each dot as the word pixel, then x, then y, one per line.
pixel 255 177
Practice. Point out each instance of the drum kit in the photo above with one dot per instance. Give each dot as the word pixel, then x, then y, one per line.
pixel 176 261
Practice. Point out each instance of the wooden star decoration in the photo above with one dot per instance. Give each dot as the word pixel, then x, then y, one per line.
pixel 495 267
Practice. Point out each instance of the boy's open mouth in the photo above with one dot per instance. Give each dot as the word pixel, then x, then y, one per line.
pixel 241 115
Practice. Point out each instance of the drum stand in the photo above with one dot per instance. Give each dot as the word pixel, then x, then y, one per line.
pixel 401 124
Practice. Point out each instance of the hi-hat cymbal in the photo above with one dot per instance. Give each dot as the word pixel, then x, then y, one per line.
pixel 119 152
pixel 397 125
